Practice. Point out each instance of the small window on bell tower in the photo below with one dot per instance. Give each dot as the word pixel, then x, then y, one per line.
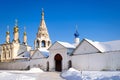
pixel 48 43
pixel 43 43
pixel 37 44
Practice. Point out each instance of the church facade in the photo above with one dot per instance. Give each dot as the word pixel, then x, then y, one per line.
pixel 10 51
pixel 59 56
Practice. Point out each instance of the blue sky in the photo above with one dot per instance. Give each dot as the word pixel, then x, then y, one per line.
pixel 97 20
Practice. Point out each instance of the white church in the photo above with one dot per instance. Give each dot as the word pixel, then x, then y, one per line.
pixel 59 56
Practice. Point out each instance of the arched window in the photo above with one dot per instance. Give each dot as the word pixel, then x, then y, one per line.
pixel 47 66
pixel 69 64
pixel 43 44
pixel 4 56
pixel 48 43
pixel 37 44
pixel 28 68
pixel 9 53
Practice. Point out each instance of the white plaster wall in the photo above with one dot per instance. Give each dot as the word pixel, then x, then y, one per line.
pixel 15 50
pixel 21 64
pixel 15 65
pixel 40 63
pixel 97 61
pixel 114 60
pixel 85 47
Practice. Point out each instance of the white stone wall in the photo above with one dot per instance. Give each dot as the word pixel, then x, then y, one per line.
pixel 97 61
pixel 40 63
pixel 23 64
pixel 15 65
pixel 85 47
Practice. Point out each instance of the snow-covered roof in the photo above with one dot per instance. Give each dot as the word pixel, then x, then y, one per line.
pixel 66 44
pixel 111 45
pixel 24 54
pixel 44 52
pixel 19 57
pixel 105 46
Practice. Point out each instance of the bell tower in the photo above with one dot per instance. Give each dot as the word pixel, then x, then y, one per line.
pixel 42 40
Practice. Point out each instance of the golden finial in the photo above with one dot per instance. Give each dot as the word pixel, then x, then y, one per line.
pixel 24 33
pixel 7 30
pixel 16 29
pixel 24 30
pixel 7 33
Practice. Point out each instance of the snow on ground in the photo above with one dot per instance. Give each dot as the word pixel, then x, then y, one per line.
pixel 31 74
pixel 35 70
pixel 10 76
pixel 73 74
pixel 32 70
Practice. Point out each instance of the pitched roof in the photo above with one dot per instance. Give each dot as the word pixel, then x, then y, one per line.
pixel 66 44
pixel 111 45
pixel 105 46
pixel 44 52
pixel 24 54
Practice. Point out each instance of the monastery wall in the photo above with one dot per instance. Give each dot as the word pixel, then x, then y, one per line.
pixel 15 65
pixel 40 63
pixel 97 61
pixel 24 64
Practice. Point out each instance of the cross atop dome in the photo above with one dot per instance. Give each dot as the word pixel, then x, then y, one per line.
pixel 24 30
pixel 8 30
pixel 16 22
pixel 42 13
pixel 76 34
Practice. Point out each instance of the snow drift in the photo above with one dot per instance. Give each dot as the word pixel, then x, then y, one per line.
pixel 73 74
pixel 10 76
pixel 20 75
pixel 35 70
